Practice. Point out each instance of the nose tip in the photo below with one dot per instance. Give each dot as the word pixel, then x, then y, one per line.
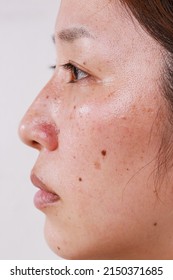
pixel 39 135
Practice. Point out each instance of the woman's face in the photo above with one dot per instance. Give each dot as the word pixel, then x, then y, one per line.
pixel 98 125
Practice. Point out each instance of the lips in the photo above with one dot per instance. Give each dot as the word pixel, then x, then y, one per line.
pixel 44 197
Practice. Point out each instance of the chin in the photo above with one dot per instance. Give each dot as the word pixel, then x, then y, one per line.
pixel 68 246
pixel 69 250
pixel 57 242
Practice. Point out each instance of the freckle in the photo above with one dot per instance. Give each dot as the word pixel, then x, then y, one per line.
pixel 55 98
pixel 97 165
pixel 74 107
pixel 150 110
pixel 71 116
pixel 127 169
pixel 124 118
pixel 59 248
pixel 74 157
pixel 84 63
pixel 104 153
pixel 80 179
pixel 155 224
pixel 47 97
pixel 111 94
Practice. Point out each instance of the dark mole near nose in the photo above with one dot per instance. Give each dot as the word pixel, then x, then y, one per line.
pixel 104 153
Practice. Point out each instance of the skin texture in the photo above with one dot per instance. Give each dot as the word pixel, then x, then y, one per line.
pixel 98 139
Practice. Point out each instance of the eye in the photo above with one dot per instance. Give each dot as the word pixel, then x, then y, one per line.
pixel 76 73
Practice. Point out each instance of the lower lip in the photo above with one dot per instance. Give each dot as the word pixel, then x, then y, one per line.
pixel 43 199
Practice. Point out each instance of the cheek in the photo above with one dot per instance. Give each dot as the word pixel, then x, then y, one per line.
pixel 103 167
pixel 99 153
pixel 107 152
pixel 106 140
pixel 120 142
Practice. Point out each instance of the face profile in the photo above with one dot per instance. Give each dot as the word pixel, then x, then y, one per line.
pixel 101 125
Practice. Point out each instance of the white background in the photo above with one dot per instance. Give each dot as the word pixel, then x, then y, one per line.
pixel 26 51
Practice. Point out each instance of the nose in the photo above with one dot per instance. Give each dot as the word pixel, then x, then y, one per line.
pixel 37 129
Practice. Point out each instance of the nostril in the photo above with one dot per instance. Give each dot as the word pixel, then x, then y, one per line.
pixel 39 135
pixel 35 145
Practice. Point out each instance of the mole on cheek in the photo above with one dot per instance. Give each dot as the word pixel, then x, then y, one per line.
pixel 103 153
pixel 155 224
pixel 80 179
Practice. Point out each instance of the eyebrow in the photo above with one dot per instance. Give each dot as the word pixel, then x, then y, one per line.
pixel 72 34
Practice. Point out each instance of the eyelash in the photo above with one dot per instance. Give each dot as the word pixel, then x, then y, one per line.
pixel 74 71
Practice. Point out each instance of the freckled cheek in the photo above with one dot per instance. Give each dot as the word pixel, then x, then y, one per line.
pixel 122 139
pixel 93 147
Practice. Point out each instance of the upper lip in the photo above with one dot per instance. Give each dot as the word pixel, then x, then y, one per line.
pixel 36 181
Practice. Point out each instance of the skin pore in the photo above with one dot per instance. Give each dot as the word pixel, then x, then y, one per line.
pixel 98 125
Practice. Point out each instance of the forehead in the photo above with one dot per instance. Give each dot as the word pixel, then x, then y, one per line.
pixel 116 32
pixel 95 15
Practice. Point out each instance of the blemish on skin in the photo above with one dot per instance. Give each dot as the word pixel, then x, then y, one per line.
pixel 71 116
pixel 103 153
pixel 80 179
pixel 59 248
pixel 74 107
pixel 124 118
pixel 97 165
pixel 47 96
pixel 84 63
pixel 155 224
pixel 111 94
pixel 58 131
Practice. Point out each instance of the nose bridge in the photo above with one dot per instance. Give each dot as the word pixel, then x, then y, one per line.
pixel 37 128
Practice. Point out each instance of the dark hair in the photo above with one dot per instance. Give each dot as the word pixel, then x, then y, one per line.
pixel 156 17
